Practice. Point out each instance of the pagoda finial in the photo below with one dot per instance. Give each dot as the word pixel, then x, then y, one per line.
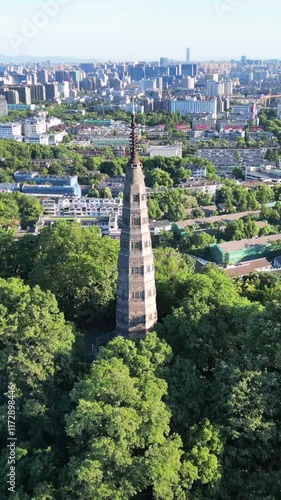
pixel 134 139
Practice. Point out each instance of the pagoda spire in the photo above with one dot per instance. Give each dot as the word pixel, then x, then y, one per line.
pixel 136 312
pixel 134 139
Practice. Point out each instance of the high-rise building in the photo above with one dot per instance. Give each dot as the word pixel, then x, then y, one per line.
pixel 12 96
pixel 136 312
pixel 52 91
pixel 38 93
pixel 3 106
pixel 164 61
pixel 137 72
pixel 43 76
pixel 189 69
pixel 24 93
pixel 62 76
pixel 187 55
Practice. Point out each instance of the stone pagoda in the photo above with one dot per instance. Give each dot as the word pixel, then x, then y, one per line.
pixel 136 312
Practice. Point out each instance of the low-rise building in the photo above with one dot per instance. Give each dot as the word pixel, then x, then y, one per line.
pixel 201 186
pixel 42 139
pixel 234 252
pixel 115 184
pixel 258 265
pixel 34 126
pixel 167 151
pixel 10 130
pixel 83 207
pixel 263 173
pixel 48 186
pixel 106 224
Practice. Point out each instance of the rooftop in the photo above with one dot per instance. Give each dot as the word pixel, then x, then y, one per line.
pixel 235 246
pixel 247 267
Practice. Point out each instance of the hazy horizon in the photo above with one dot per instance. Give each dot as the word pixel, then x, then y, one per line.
pixel 213 29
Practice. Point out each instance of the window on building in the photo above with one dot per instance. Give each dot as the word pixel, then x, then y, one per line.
pixel 137 320
pixel 136 245
pixel 137 270
pixel 146 244
pixel 138 295
pixel 125 245
pixel 136 221
pixel 143 197
pixel 136 198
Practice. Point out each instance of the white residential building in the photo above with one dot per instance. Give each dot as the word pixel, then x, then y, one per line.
pixel 192 106
pixel 10 130
pixel 218 89
pixel 64 90
pixel 167 151
pixel 83 207
pixel 56 138
pixel 53 122
pixel 3 106
pixel 263 173
pixel 108 225
pixel 42 139
pixel 34 126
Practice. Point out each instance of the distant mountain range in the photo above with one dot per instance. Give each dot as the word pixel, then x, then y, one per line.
pixel 31 59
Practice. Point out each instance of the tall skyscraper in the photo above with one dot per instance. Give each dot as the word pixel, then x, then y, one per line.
pixel 136 293
pixel 187 55
pixel 3 106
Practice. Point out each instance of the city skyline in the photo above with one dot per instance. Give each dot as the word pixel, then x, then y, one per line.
pixel 63 27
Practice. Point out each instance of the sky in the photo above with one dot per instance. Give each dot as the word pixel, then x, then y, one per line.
pixel 141 30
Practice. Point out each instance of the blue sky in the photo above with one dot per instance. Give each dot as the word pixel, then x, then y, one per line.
pixel 138 30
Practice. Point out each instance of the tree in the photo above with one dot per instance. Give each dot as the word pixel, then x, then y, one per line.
pixel 200 243
pixel 208 323
pixel 7 253
pixel 122 444
pixel 120 426
pixel 94 193
pixel 30 208
pixel 158 178
pixel 172 269
pixel 9 209
pixel 37 357
pixel 106 193
pixel 264 194
pixel 243 398
pixel 182 174
pixel 80 268
pixel 259 287
pixel 154 211
pixel 197 213
pixel 240 229
pixel 111 168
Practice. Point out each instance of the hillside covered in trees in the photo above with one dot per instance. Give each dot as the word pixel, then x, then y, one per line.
pixel 190 412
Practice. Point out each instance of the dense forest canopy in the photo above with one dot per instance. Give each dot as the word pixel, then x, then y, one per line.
pixel 192 411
